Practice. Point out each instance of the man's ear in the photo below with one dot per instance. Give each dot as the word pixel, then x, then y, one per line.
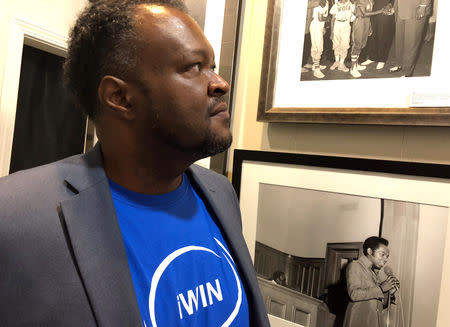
pixel 115 96
pixel 369 251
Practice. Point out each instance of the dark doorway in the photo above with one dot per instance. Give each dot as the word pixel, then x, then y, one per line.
pixel 48 126
pixel 338 256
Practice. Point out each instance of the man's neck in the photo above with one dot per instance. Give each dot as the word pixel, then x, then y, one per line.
pixel 145 172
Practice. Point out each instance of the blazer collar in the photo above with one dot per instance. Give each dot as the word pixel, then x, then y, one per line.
pixel 232 233
pixel 97 245
pixel 367 264
pixel 217 208
pixel 87 170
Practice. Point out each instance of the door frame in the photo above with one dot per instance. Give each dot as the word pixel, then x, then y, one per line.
pixel 26 33
pixel 22 32
pixel 337 248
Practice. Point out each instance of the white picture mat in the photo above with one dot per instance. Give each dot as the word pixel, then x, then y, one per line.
pixel 278 322
pixel 422 190
pixel 215 14
pixel 386 92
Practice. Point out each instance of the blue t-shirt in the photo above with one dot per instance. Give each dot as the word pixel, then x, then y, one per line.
pixel 182 271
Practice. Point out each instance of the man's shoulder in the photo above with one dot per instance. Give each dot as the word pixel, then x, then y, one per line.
pixel 360 265
pixel 210 181
pixel 355 264
pixel 29 199
pixel 208 175
pixel 81 170
pixel 37 184
pixel 41 173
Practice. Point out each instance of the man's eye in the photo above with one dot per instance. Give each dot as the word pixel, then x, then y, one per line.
pixel 194 67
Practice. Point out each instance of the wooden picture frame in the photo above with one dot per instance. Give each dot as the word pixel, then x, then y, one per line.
pixel 362 111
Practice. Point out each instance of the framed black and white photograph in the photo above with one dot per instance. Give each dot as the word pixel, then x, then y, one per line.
pixel 305 219
pixel 339 36
pixel 387 64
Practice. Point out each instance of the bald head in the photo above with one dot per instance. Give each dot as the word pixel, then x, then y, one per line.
pixel 164 33
pixel 157 16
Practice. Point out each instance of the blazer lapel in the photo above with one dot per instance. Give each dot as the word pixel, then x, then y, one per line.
pixel 97 246
pixel 364 262
pixel 232 233
pixel 219 210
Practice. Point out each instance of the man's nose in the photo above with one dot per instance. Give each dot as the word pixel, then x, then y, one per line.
pixel 218 86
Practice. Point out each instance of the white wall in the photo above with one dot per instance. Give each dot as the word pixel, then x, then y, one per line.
pixel 430 255
pixel 301 222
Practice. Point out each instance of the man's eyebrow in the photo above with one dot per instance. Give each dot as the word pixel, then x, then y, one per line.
pixel 200 52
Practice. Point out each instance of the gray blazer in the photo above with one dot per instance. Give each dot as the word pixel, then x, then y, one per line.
pixel 62 259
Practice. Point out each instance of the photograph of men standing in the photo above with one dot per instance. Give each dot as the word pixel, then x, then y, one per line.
pixel 132 233
pixel 411 17
pixel 369 295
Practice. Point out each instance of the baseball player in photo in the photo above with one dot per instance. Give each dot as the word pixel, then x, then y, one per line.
pixel 342 13
pixel 316 28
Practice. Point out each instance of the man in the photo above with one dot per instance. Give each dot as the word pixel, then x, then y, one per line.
pixel 316 29
pixel 130 234
pixel 410 21
pixel 306 56
pixel 342 13
pixel 383 30
pixel 368 293
pixel 279 278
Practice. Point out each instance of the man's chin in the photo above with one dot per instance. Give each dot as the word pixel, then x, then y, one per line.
pixel 215 145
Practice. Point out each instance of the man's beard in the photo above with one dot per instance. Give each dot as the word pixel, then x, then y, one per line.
pixel 213 144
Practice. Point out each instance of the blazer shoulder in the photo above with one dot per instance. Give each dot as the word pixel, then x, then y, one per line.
pixel 216 188
pixel 209 175
pixel 355 266
pixel 36 183
pixel 41 171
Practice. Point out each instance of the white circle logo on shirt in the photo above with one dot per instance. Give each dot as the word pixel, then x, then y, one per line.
pixel 174 255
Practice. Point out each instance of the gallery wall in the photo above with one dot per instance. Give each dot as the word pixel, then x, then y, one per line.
pixel 406 143
pixel 423 144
